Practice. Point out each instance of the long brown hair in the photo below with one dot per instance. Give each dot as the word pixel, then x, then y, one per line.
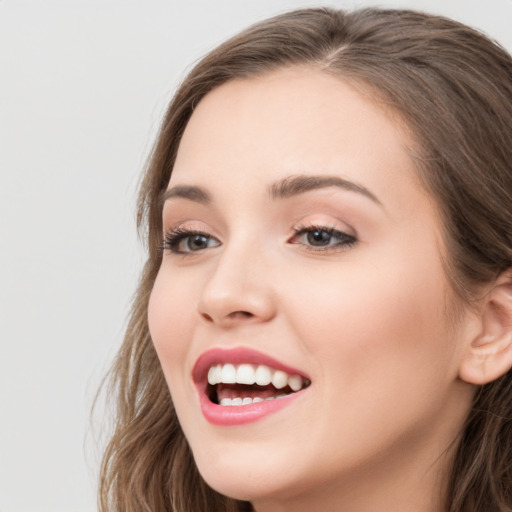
pixel 453 88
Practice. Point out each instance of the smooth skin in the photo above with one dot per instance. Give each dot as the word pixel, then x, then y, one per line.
pixel 345 282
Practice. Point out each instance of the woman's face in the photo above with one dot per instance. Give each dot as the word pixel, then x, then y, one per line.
pixel 300 247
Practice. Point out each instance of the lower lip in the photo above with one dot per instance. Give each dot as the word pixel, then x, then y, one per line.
pixel 226 415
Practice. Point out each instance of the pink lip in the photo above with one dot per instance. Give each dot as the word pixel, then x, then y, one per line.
pixel 238 415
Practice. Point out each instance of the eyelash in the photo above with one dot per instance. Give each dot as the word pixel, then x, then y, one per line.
pixel 345 240
pixel 175 237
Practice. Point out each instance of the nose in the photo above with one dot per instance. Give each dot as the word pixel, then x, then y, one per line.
pixel 239 290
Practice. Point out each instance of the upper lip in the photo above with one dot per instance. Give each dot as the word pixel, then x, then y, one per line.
pixel 237 355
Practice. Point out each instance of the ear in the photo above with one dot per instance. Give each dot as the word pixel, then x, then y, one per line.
pixel 489 354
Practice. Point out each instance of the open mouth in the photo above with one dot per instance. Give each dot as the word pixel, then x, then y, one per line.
pixel 245 384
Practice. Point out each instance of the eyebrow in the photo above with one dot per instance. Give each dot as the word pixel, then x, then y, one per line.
pixel 288 187
pixel 295 185
pixel 190 192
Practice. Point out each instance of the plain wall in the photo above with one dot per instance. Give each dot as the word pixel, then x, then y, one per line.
pixel 83 85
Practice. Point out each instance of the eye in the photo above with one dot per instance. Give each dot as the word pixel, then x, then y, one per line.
pixel 184 241
pixel 322 238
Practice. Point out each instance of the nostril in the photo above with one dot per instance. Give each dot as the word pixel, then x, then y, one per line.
pixel 207 317
pixel 240 314
pixel 234 315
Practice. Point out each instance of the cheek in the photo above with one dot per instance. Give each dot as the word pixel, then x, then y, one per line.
pixel 382 353
pixel 169 319
pixel 371 326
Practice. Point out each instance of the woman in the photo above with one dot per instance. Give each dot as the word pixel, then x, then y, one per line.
pixel 328 291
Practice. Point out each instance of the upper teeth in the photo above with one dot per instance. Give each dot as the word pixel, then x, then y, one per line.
pixel 252 374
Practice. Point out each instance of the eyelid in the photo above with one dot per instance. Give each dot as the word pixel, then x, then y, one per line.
pixel 173 236
pixel 189 225
pixel 345 238
pixel 325 221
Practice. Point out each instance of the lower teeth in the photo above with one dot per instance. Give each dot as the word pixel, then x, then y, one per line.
pixel 246 401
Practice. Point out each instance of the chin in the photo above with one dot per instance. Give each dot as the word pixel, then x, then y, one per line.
pixel 246 477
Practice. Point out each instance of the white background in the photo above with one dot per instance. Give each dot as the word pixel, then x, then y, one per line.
pixel 83 85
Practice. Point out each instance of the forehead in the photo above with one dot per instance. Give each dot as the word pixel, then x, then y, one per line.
pixel 294 121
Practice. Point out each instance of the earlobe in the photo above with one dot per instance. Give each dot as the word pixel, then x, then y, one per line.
pixel 489 354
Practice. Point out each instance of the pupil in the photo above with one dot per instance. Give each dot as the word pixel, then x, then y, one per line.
pixel 198 242
pixel 319 237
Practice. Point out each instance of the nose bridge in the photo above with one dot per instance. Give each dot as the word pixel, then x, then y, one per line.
pixel 238 288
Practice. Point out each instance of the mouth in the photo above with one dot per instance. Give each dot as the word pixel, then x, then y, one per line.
pixel 232 385
pixel 241 385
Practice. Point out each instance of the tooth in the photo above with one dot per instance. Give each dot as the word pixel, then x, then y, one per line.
pixel 228 374
pixel 295 382
pixel 212 376
pixel 263 375
pixel 281 396
pixel 257 399
pixel 236 401
pixel 279 379
pixel 245 374
pixel 225 401
pixel 247 401
pixel 269 398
